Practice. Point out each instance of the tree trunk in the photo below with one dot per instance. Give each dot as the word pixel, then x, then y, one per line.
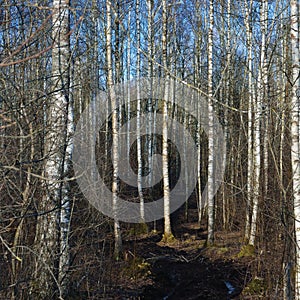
pixel 257 124
pixel 210 180
pixel 138 116
pixel 165 162
pixel 250 123
pixel 295 150
pixel 52 244
pixel 115 145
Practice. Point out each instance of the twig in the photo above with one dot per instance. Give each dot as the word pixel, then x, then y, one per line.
pixel 8 248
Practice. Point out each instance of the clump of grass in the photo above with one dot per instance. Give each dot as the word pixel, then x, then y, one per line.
pixel 247 251
pixel 168 239
pixel 222 250
pixel 137 268
pixel 257 286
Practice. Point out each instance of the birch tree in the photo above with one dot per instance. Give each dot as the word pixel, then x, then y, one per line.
pixel 282 121
pixel 54 208
pixel 295 147
pixel 150 42
pixel 227 95
pixel 265 97
pixel 257 124
pixel 210 180
pixel 197 75
pixel 165 162
pixel 248 24
pixel 138 117
pixel 115 146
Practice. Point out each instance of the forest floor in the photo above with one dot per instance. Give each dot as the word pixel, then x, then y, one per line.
pixel 183 269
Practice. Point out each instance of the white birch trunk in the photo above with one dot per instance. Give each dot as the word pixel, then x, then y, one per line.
pixel 264 70
pixel 295 148
pixel 198 74
pixel 165 162
pixel 128 85
pixel 65 217
pixel 138 117
pixel 51 244
pixel 257 126
pixel 250 122
pixel 227 101
pixel 62 58
pixel 210 180
pixel 115 145
pixel 150 75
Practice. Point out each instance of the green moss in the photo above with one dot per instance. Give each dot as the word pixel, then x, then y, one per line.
pixel 138 229
pixel 256 286
pixel 168 239
pixel 222 250
pixel 216 251
pixel 247 251
pixel 137 268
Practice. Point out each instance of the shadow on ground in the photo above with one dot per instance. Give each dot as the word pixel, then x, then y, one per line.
pixel 182 271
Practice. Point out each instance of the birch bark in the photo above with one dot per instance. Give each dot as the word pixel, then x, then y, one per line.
pixel 167 222
pixel 250 121
pixel 257 124
pixel 52 244
pixel 138 117
pixel 295 147
pixel 115 145
pixel 210 180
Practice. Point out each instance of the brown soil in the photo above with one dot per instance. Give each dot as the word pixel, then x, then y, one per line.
pixel 185 269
